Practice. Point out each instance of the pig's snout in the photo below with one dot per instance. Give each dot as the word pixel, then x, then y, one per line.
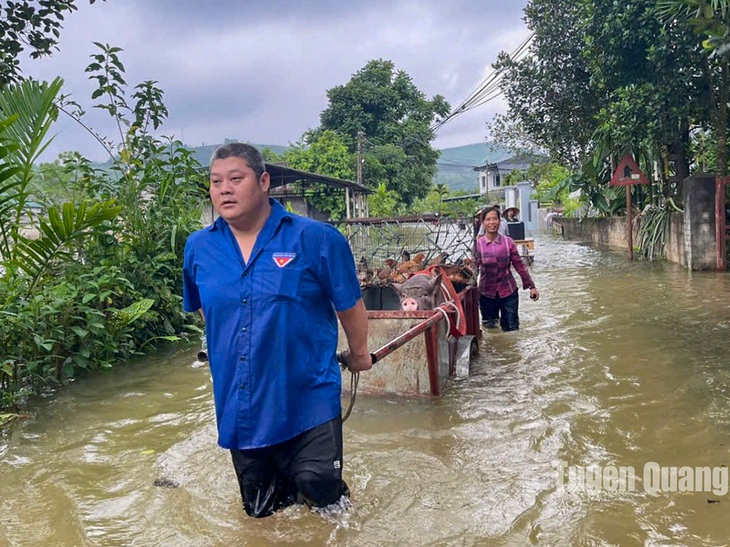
pixel 409 304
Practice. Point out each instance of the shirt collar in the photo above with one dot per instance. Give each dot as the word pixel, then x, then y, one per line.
pixel 496 241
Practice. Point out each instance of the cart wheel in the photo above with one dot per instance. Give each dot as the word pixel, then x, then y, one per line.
pixel 474 349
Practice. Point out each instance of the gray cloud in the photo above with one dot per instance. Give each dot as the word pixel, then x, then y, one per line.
pixel 259 71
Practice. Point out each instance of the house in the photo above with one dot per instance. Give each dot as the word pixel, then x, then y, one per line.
pixel 519 193
pixel 492 174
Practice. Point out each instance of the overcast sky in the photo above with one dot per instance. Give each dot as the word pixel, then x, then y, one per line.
pixel 258 71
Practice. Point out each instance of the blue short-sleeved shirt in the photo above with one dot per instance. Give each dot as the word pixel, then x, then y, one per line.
pixel 271 325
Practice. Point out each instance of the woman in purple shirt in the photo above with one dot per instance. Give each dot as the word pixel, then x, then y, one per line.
pixel 498 298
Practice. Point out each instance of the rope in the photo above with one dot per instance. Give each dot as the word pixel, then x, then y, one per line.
pixel 451 304
pixel 354 381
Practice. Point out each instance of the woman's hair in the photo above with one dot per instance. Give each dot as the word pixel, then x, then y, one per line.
pixel 485 211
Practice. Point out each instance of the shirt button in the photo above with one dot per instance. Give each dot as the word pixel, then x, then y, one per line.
pixel 243 386
pixel 244 301
pixel 245 274
pixel 243 329
pixel 242 358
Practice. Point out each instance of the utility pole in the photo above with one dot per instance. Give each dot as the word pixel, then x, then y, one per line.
pixel 360 139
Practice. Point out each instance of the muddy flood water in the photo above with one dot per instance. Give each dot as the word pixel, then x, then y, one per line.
pixel 604 421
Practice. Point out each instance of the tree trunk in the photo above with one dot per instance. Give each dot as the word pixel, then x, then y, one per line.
pixel 721 119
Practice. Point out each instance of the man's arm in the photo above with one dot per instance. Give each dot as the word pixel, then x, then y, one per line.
pixel 355 324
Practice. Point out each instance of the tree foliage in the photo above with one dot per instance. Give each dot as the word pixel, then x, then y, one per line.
pixel 36 25
pixel 324 152
pixel 103 276
pixel 395 117
pixel 709 19
pixel 550 95
pixel 606 79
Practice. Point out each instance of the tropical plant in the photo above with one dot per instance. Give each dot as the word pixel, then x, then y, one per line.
pixel 103 280
pixel 653 232
pixel 383 202
pixel 31 105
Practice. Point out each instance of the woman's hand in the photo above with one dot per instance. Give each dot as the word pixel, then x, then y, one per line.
pixel 534 294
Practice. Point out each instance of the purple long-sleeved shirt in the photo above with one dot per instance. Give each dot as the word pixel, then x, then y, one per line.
pixel 493 264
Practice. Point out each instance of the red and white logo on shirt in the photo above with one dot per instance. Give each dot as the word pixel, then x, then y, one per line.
pixel 282 259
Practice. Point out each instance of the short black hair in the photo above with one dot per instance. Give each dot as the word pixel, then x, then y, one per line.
pixel 246 152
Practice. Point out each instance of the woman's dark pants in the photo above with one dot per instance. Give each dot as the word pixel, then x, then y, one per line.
pixel 505 309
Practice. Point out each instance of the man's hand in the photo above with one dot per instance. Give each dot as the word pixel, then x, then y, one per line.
pixel 356 362
pixel 355 324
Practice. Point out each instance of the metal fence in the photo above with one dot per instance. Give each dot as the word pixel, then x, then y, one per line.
pixel 375 240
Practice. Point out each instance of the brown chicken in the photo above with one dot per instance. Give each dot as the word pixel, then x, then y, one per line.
pixel 412 266
pixel 389 273
pixel 457 273
pixel 440 258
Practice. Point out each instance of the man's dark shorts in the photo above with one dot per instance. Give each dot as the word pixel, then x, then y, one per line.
pixel 306 469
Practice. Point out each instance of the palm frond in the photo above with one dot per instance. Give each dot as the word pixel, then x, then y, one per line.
pixel 71 223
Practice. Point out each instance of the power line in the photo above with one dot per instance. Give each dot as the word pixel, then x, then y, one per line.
pixel 487 90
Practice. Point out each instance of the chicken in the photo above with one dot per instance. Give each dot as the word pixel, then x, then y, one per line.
pixel 440 258
pixel 364 273
pixel 389 273
pixel 458 274
pixel 412 266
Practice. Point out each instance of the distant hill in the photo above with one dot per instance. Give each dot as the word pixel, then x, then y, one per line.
pixel 455 166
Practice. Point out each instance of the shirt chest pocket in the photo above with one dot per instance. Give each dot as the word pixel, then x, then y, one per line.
pixel 280 278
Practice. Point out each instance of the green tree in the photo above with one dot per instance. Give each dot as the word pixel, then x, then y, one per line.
pixel 710 19
pixel 383 202
pixel 271 156
pixel 603 80
pixel 551 98
pixel 36 25
pixel 395 118
pixel 653 85
pixel 325 153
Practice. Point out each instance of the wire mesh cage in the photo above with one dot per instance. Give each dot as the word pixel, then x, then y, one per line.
pixel 374 240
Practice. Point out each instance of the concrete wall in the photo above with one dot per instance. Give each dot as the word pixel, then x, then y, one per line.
pixel 699 222
pixel 691 238
pixel 675 249
pixel 608 232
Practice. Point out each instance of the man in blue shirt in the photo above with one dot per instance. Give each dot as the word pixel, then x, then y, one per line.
pixel 270 286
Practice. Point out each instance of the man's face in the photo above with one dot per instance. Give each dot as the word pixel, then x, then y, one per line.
pixel 235 191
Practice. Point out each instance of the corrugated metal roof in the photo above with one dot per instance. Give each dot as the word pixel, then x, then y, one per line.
pixel 281 175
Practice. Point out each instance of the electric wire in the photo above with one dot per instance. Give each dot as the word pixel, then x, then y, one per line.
pixel 488 90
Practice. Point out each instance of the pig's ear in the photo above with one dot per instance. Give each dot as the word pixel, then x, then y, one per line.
pixel 435 281
pixel 397 287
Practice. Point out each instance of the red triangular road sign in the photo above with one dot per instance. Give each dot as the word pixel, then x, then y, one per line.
pixel 627 173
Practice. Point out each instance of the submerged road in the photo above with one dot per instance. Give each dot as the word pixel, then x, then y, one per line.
pixel 565 433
